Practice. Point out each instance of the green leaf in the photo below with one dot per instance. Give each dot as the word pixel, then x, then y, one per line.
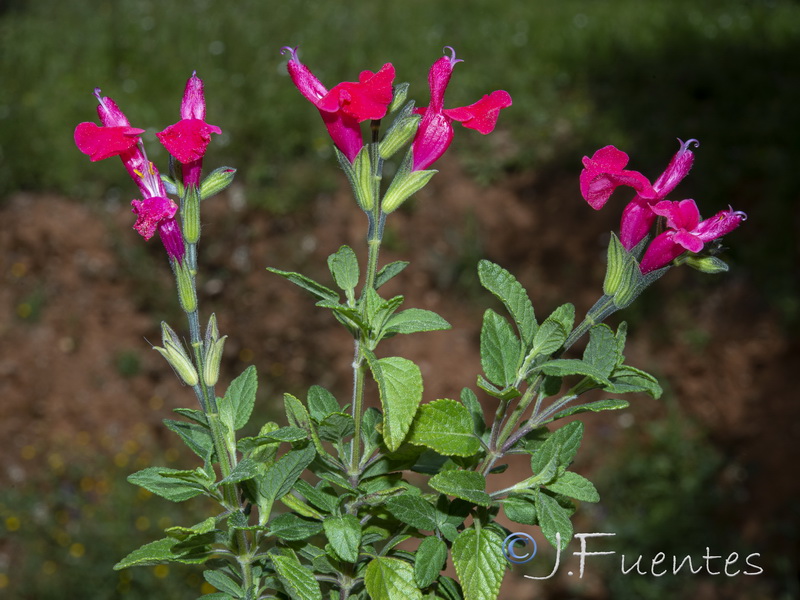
pixel 602 350
pixel 390 579
pixel 176 490
pixel 413 510
pixel 446 427
pixel 246 469
pixel 322 496
pixel 336 427
pixel 480 563
pixel 508 393
pixel 389 271
pixel 156 553
pixel 467 485
pixel 553 519
pixel 195 415
pixel 510 292
pixel 414 320
pixel 627 379
pixel 291 527
pixel 563 443
pixel 575 486
pixel 470 400
pixel 321 403
pixel 400 387
pixel 237 405
pixel 563 367
pixel 223 583
pixel 197 437
pixel 520 509
pixel 281 476
pixel 344 534
pixel 448 589
pixel 597 406
pixel 500 349
pixel 298 581
pixel 318 290
pixel 343 265
pixel 553 332
pixel 429 561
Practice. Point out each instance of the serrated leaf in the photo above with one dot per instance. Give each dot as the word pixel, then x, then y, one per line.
pixel 520 509
pixel 335 427
pixel 344 535
pixel 510 292
pixel 400 387
pixel 554 330
pixel 236 406
pixel 553 519
pixel 500 349
pixel 343 265
pixel 602 350
pixel 467 485
pixel 597 406
pixel 627 379
pixel 156 553
pixel 322 496
pixel 317 289
pixel 389 271
pixel 563 367
pixel 291 527
pixel 470 400
pixel 429 561
pixel 321 403
pixel 415 320
pixel 390 579
pixel 170 488
pixel 223 583
pixel 575 486
pixel 413 510
pixel 245 469
pixel 562 443
pixel 446 427
pixel 480 563
pixel 298 581
pixel 197 437
pixel 281 476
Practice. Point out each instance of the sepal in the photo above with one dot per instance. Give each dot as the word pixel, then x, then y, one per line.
pixel 176 356
pixel 405 184
pixel 217 180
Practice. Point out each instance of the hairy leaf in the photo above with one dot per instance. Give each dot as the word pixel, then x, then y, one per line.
pixel 446 427
pixel 480 563
pixel 317 289
pixel 414 320
pixel 390 579
pixel 343 265
pixel 236 406
pixel 510 292
pixel 467 485
pixel 500 349
pixel 553 518
pixel 400 387
pixel 429 561
pixel 298 580
pixel 575 486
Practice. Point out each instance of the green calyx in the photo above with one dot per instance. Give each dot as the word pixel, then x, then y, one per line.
pixel 176 356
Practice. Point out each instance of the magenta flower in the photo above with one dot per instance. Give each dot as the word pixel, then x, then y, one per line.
pixel 435 130
pixel 117 138
pixel 685 231
pixel 187 140
pixel 605 172
pixel 347 104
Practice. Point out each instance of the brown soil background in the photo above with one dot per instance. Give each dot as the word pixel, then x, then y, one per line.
pixel 81 295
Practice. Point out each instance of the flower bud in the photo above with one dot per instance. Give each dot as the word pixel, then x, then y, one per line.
pixel 176 356
pixel 399 93
pixel 217 180
pixel 360 175
pixel 190 214
pixel 185 283
pixel 400 133
pixel 212 332
pixel 212 360
pixel 404 185
pixel 707 264
pixel 618 269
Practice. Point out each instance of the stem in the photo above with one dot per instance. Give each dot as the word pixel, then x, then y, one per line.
pixel 377 219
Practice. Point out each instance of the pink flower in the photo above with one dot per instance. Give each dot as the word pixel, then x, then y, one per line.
pixel 604 173
pixel 347 104
pixel 187 140
pixel 435 130
pixel 117 138
pixel 685 231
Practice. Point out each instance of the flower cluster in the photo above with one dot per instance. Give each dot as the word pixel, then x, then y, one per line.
pixel 605 171
pixel 186 140
pixel 348 104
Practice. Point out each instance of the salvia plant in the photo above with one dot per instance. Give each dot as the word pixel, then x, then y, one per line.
pixel 344 501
